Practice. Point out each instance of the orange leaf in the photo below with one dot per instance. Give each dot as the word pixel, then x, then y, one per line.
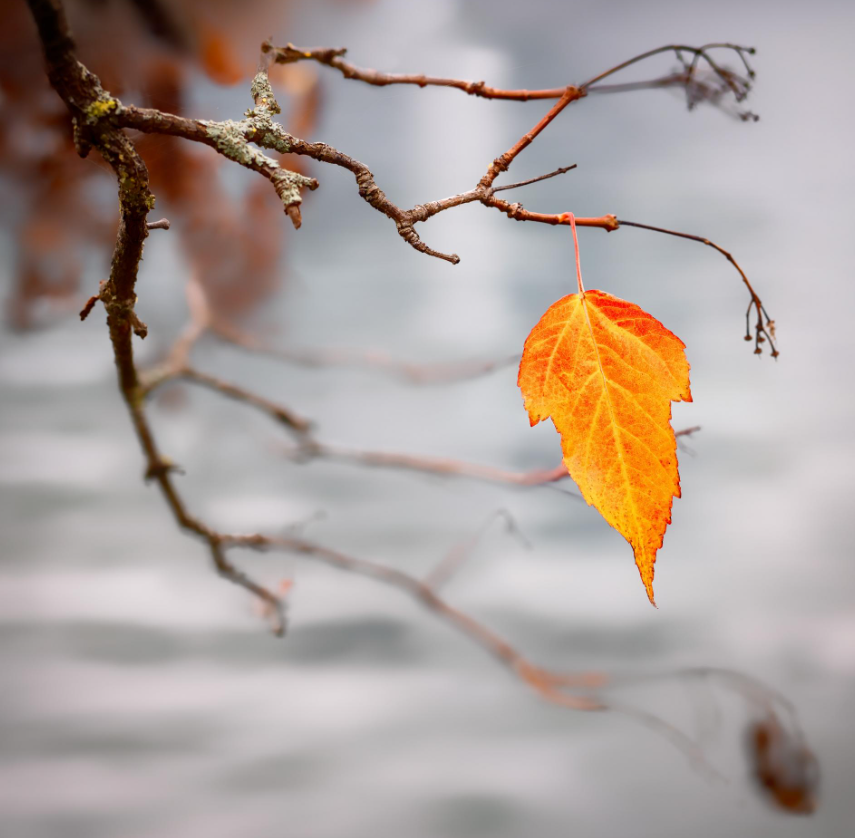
pixel 606 373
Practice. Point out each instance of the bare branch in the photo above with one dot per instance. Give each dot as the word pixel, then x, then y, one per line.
pixel 517 212
pixel 763 331
pixel 687 431
pixel 312 449
pixel 99 121
pixel 698 89
pixel 696 52
pixel 426 596
pixel 502 163
pixel 290 54
pixel 333 57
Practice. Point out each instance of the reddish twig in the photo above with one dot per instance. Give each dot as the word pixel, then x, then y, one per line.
pixel 283 415
pixel 421 374
pixel 86 101
pixel 313 449
pixel 697 53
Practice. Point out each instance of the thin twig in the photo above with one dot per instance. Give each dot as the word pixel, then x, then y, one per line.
pixel 503 162
pixel 560 171
pixel 310 448
pixel 227 570
pixel 426 596
pixel 290 54
pixel 87 103
pixel 763 331
pixel 697 52
pixel 333 57
pixel 233 139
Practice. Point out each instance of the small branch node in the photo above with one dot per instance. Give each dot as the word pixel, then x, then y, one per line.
pixel 293 212
pixel 88 306
pixel 160 468
pixel 409 235
pixel 140 328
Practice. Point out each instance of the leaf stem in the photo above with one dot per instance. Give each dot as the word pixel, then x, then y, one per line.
pixel 572 219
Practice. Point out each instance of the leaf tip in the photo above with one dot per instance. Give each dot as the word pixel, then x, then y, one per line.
pixel 646 570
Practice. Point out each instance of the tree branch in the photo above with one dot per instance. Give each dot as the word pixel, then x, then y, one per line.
pixel 762 331
pixel 82 93
pixel 333 57
pixel 289 54
pixel 99 120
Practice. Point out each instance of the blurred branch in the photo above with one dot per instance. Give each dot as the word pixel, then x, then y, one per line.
pixel 82 93
pixel 309 448
pixel 312 449
pixel 332 57
pixel 455 558
pixel 560 171
pixel 421 374
pixel 372 359
pixel 698 89
pixel 283 415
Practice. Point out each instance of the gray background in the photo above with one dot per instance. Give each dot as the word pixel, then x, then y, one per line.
pixel 141 695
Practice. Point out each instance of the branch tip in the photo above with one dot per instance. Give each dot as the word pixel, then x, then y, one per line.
pixel 88 306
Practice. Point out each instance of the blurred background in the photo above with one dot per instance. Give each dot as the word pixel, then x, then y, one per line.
pixel 143 696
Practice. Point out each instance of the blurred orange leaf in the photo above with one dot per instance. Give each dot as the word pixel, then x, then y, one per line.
pixel 784 767
pixel 219 57
pixel 606 373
